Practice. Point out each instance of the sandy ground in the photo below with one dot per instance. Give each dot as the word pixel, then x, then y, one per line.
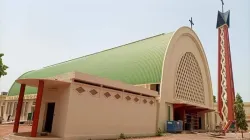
pixel 200 136
pixel 7 129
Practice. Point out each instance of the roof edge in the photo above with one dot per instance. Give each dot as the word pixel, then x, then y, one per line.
pixel 165 54
pixel 15 81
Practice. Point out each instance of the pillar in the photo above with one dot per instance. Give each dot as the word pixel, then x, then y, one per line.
pixel 5 110
pixel 23 110
pixel 19 108
pixel 11 108
pixel 37 108
pixel 1 104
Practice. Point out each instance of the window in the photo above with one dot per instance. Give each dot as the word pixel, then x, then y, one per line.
pixel 158 88
pixel 155 87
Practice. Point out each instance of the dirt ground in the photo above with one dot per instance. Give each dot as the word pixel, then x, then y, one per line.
pixel 199 136
pixel 7 129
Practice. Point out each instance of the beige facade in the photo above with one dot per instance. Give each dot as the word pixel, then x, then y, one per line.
pixel 247 110
pixel 87 106
pixel 184 42
pixel 2 105
pixel 92 107
pixel 8 107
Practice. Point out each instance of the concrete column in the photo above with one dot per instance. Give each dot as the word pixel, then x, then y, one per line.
pixel 23 111
pixel 19 108
pixel 30 102
pixel 11 108
pixel 1 102
pixel 37 108
pixel 5 111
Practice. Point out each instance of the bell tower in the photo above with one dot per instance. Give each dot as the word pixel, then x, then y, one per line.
pixel 226 93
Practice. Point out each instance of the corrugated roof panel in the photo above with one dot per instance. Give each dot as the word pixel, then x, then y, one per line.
pixel 138 62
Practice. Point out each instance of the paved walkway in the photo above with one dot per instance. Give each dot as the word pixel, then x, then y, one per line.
pixel 7 129
pixel 199 136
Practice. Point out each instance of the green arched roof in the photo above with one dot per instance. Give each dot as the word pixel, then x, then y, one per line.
pixel 138 62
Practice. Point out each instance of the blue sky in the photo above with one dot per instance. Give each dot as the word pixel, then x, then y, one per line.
pixel 34 34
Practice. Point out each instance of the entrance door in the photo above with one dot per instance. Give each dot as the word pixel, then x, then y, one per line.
pixel 49 117
pixel 200 123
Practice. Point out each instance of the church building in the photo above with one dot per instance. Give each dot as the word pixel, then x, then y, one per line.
pixel 132 89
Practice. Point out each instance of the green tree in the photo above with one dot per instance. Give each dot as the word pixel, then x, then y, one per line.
pixel 214 99
pixel 240 114
pixel 3 67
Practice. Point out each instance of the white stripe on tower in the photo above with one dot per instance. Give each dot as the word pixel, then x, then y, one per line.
pixel 224 109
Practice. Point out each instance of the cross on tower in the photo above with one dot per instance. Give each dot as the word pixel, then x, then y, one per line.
pixel 222 2
pixel 191 22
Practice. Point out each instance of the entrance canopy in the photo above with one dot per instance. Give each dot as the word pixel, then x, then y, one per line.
pixel 47 82
pixel 192 108
pixel 40 84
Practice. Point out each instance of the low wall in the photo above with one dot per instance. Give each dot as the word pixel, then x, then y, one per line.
pixel 97 112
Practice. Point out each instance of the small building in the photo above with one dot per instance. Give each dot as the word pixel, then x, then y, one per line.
pixel 4 93
pixel 2 105
pixel 131 89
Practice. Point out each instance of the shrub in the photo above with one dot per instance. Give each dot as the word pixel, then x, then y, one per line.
pixel 159 132
pixel 122 136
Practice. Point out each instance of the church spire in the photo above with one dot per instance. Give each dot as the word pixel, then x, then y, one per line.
pixel 223 18
pixel 226 93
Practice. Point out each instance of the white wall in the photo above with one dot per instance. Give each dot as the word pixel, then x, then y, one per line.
pixel 60 97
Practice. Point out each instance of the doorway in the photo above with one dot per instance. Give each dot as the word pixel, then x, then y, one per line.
pixel 49 117
pixel 200 126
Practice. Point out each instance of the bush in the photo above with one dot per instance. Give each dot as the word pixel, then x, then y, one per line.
pixel 122 136
pixel 159 132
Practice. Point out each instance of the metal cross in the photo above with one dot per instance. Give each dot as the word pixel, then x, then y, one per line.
pixel 222 2
pixel 191 22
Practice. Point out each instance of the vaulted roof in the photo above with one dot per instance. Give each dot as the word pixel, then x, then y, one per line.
pixel 139 62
